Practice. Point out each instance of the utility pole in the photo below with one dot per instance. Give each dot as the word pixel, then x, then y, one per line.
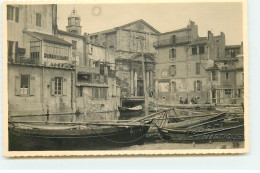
pixel 144 80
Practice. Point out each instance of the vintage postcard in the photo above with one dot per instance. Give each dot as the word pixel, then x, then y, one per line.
pixel 124 79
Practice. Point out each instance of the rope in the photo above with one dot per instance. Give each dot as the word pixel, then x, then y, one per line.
pixel 118 142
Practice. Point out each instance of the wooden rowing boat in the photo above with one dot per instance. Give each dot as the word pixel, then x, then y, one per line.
pixel 57 136
pixel 217 128
pixel 130 113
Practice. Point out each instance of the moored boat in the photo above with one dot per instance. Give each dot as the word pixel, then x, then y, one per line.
pixel 130 113
pixel 217 128
pixel 56 136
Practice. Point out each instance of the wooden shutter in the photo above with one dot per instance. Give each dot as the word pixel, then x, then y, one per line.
pixel 64 86
pixel 195 86
pixel 17 14
pixel 32 86
pixel 174 70
pixel 93 92
pixel 17 85
pixel 52 86
pixel 200 83
pixel 170 53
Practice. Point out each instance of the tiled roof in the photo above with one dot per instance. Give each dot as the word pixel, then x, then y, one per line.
pixel 51 38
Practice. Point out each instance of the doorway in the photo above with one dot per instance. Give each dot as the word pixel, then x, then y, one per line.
pixel 140 88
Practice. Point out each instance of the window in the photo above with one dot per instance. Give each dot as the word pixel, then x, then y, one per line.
pixel 58 86
pixel 194 50
pixel 38 19
pixel 16 49
pixel 102 69
pixel 35 51
pixel 25 83
pixel 197 68
pixel 233 53
pixel 56 51
pixel 173 87
pixel 10 12
pixel 227 75
pixel 242 78
pixel 16 14
pixel 201 50
pixel 172 53
pixel 80 91
pixel 74 44
pixel 103 93
pixel 228 92
pixel 172 70
pixel 214 76
pixel 10 49
pixel 95 92
pixel 197 85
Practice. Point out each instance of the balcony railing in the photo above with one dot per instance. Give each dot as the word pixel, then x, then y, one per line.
pixel 23 60
pixel 87 69
pixel 171 42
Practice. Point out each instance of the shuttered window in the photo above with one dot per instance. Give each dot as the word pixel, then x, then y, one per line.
pixel 172 53
pixel 24 85
pixel 194 50
pixel 172 70
pixel 38 19
pixel 173 87
pixel 80 91
pixel 197 68
pixel 197 86
pixel 201 50
pixel 17 14
pixel 10 12
pixel 99 93
pixel 214 76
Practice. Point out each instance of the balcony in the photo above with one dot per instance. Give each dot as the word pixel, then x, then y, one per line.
pixel 228 68
pixel 23 60
pixel 88 70
pixel 172 42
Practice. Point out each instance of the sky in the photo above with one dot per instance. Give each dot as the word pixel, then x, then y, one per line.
pixel 217 17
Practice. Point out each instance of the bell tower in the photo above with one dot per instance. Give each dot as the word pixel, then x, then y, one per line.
pixel 74 23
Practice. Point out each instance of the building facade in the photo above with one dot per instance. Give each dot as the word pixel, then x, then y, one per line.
pixel 40 68
pixel 227 77
pixel 95 90
pixel 181 69
pixel 127 46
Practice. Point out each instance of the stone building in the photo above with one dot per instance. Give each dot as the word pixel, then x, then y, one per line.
pixel 40 67
pixel 227 77
pixel 95 90
pixel 183 59
pixel 126 47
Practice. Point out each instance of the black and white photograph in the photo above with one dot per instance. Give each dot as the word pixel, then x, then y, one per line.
pixel 125 78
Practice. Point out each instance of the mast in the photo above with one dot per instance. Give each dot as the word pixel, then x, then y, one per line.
pixel 145 92
pixel 141 39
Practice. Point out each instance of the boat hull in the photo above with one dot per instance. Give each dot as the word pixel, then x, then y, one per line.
pixel 130 114
pixel 225 134
pixel 77 139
